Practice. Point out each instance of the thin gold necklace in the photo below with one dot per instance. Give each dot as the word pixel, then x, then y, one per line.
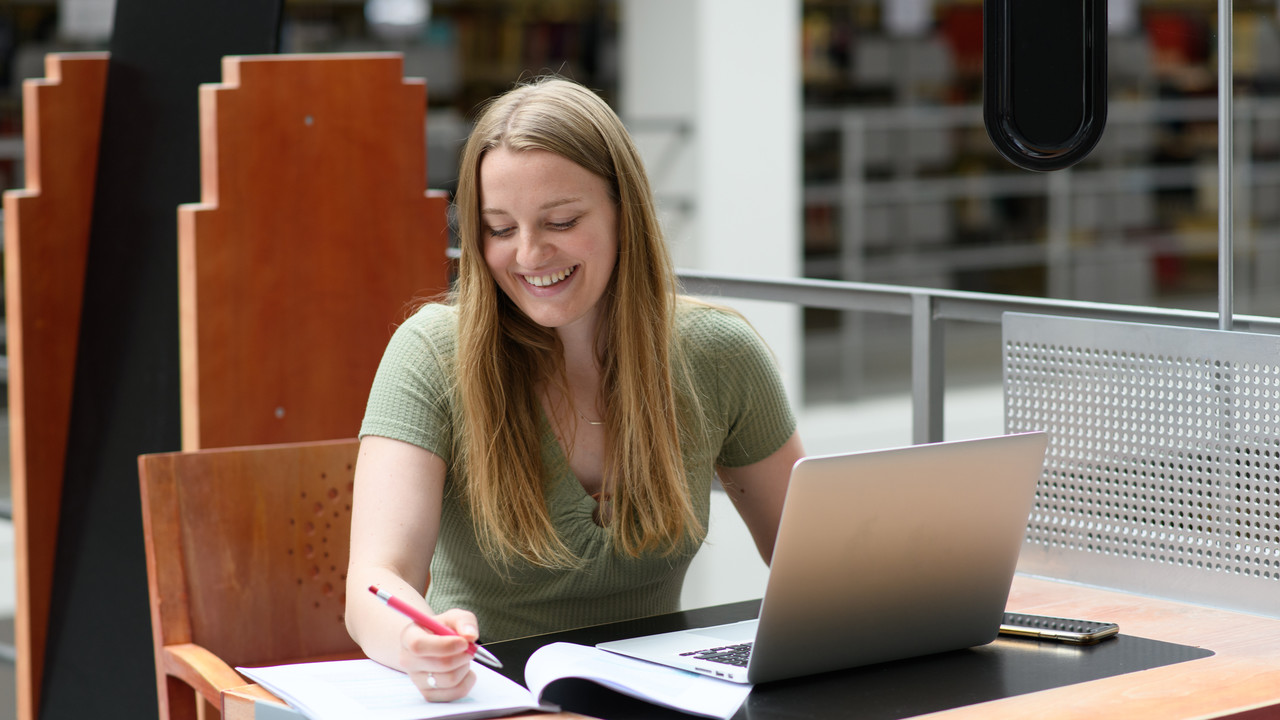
pixel 584 418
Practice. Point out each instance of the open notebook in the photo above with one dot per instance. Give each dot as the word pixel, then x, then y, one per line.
pixel 880 556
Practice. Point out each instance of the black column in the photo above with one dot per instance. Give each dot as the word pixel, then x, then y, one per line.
pixel 99 656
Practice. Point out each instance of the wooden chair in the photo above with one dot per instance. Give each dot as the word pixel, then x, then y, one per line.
pixel 246 563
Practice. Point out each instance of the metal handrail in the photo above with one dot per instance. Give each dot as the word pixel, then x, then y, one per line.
pixel 928 308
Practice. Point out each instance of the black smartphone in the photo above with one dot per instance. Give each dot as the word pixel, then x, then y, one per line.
pixel 1076 632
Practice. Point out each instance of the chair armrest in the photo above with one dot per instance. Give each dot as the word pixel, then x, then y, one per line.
pixel 242 703
pixel 202 670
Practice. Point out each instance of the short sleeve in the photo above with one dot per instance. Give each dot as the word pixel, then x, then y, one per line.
pixel 411 396
pixel 741 385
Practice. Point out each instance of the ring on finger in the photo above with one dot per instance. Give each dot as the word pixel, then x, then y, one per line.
pixel 431 680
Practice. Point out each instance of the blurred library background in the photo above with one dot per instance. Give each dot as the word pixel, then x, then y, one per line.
pixel 899 183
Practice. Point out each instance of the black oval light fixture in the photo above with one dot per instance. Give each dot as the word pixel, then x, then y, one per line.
pixel 1044 79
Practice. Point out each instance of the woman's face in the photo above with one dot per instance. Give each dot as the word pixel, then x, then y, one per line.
pixel 548 229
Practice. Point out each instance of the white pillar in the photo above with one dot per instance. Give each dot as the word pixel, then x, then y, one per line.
pixel 711 91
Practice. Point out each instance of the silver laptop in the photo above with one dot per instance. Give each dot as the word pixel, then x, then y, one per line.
pixel 880 556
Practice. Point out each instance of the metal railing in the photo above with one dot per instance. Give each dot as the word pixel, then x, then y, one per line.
pixel 929 309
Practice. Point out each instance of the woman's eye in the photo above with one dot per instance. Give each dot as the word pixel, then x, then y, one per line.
pixel 500 232
pixel 564 225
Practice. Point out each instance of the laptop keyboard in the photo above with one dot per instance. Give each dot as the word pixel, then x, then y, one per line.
pixel 728 654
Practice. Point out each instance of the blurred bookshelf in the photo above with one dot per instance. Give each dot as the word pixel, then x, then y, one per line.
pixel 902 186
pixel 467 50
pixel 893 121
pixel 470 50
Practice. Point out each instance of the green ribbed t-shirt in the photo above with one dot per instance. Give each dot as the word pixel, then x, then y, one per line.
pixel 411 400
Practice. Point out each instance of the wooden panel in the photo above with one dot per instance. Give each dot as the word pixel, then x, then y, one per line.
pixel 282 523
pixel 314 235
pixel 247 552
pixel 46 241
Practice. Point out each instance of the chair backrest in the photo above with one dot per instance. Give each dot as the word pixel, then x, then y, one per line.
pixel 314 236
pixel 247 550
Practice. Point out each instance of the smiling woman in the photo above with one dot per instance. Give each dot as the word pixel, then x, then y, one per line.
pixel 543 445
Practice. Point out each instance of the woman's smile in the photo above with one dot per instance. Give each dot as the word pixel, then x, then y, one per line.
pixel 549 280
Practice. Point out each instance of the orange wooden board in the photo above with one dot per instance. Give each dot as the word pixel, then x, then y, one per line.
pixel 314 235
pixel 46 245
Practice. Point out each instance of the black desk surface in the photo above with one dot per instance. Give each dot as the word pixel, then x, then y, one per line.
pixel 1239 679
pixel 905 688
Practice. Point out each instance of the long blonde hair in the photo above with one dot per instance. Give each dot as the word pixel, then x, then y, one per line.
pixel 503 355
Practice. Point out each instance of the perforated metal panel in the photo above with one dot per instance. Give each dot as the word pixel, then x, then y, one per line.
pixel 1163 470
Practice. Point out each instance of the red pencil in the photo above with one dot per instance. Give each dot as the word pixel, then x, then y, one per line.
pixel 423 620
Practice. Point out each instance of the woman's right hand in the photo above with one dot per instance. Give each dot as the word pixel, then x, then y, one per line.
pixel 439 665
pixel 395 516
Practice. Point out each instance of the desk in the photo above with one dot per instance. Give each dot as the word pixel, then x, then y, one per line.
pixel 1241 680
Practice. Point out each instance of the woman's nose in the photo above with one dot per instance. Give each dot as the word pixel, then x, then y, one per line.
pixel 533 250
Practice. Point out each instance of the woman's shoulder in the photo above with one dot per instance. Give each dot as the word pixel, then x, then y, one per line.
pixel 434 313
pixel 434 325
pixel 433 318
pixel 715 327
